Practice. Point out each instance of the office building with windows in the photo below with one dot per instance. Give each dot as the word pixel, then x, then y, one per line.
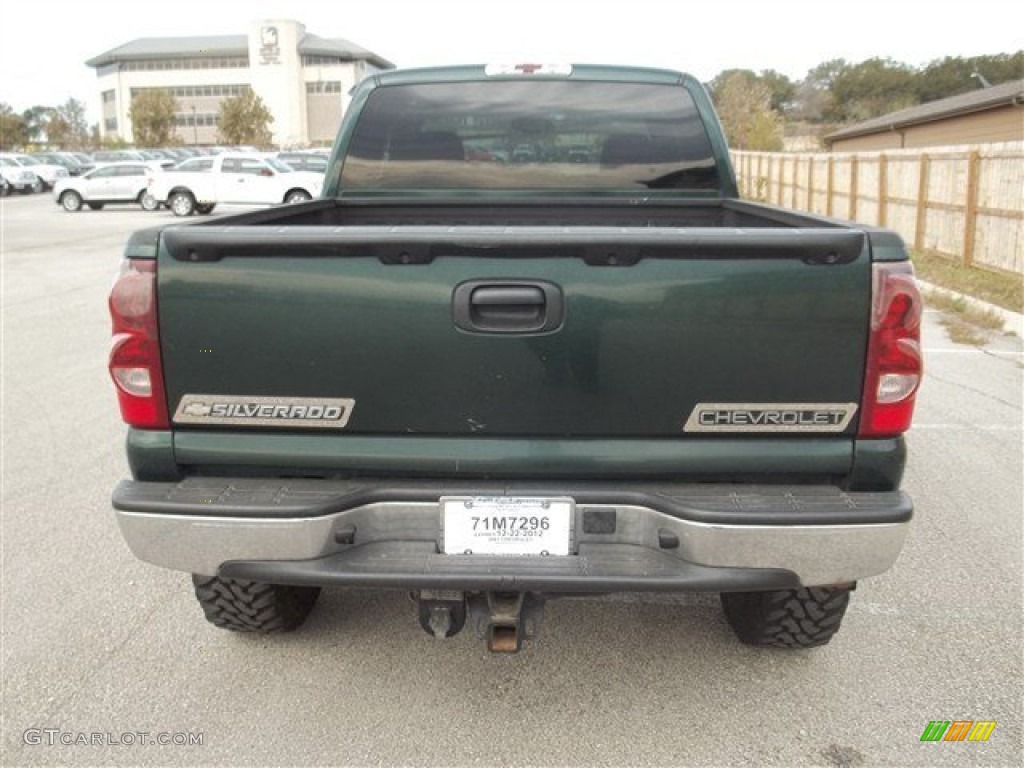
pixel 302 79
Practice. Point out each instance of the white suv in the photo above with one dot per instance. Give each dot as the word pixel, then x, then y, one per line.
pixel 111 183
pixel 17 177
pixel 48 173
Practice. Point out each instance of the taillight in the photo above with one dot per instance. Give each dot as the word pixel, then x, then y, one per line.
pixel 894 366
pixel 135 353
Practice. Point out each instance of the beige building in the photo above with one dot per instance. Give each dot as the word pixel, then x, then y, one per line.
pixel 303 80
pixel 987 115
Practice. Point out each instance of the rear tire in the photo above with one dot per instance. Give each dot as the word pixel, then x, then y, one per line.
pixel 787 618
pixel 38 186
pixel 252 606
pixel 297 196
pixel 182 203
pixel 95 206
pixel 205 208
pixel 71 201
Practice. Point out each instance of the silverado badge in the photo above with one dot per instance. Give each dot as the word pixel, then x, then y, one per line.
pixel 280 412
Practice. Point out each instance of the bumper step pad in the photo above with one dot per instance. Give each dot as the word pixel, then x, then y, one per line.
pixel 597 568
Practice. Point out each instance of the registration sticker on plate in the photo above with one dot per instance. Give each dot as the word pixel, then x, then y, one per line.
pixel 506 525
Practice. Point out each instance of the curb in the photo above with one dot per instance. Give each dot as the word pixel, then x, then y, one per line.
pixel 1013 322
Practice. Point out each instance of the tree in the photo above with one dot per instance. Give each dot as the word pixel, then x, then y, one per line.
pixel 838 91
pixel 744 105
pixel 68 127
pixel 872 88
pixel 36 120
pixel 953 75
pixel 716 86
pixel 783 89
pixel 814 100
pixel 825 74
pixel 245 119
pixel 13 132
pixel 154 116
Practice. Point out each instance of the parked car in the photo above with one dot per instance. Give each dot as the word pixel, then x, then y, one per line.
pixel 304 161
pixel 160 156
pixel 17 176
pixel 124 182
pixel 75 166
pixel 118 156
pixel 580 153
pixel 194 164
pixel 524 153
pixel 234 178
pixel 47 174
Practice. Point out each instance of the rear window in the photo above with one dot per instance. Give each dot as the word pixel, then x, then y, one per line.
pixel 524 135
pixel 203 164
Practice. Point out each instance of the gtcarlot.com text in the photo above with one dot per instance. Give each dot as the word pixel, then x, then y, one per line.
pixel 52 737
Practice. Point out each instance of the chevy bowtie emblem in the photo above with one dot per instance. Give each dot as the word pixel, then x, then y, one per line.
pixel 197 409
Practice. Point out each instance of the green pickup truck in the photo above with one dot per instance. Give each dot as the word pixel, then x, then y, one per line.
pixel 528 344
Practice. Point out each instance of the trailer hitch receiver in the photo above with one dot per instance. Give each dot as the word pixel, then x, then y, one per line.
pixel 507 619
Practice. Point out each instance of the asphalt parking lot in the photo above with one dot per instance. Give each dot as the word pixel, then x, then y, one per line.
pixel 95 642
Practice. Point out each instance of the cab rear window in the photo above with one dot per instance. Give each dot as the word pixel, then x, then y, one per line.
pixel 502 134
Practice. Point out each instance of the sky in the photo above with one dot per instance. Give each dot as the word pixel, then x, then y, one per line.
pixel 44 45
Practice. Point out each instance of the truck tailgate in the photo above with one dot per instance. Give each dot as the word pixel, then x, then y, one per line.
pixel 515 331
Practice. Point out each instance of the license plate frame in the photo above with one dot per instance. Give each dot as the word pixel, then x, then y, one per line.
pixel 509 526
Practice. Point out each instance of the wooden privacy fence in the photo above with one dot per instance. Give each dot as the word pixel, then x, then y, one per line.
pixel 966 203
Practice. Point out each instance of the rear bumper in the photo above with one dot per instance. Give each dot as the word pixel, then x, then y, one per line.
pixel 376 534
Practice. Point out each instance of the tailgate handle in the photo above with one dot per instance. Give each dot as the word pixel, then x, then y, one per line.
pixel 507 306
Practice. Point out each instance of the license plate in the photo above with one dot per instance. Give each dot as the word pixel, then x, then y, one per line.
pixel 506 525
